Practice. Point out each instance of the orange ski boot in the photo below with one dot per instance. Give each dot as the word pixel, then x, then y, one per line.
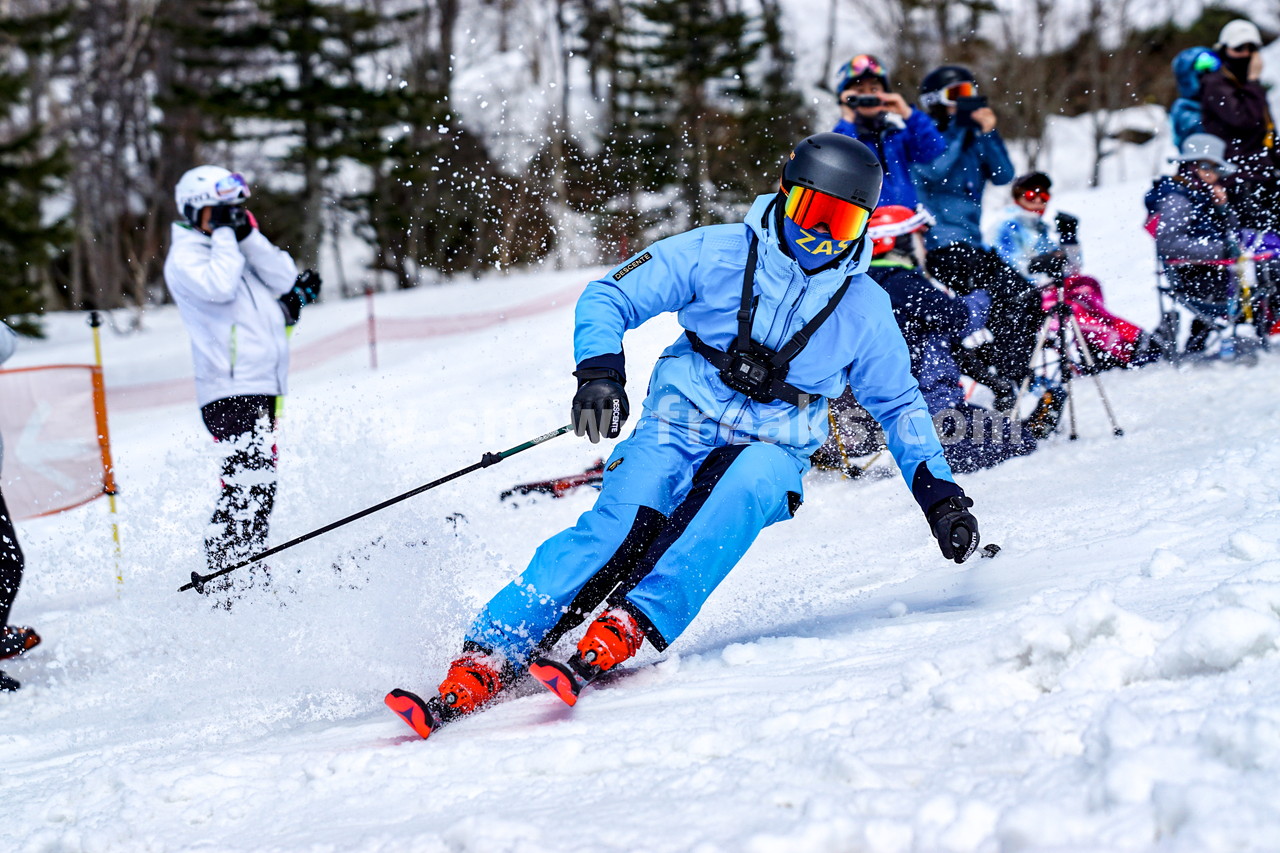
pixel 472 681
pixel 613 638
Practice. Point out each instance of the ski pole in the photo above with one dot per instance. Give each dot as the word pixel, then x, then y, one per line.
pixel 198 580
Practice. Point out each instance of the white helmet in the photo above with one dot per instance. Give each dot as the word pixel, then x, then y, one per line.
pixel 208 186
pixel 1240 32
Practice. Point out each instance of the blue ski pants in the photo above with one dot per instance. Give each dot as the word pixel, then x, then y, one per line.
pixel 679 506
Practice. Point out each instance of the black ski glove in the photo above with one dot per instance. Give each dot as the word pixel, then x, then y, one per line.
pixel 291 304
pixel 954 527
pixel 308 286
pixel 231 216
pixel 1068 228
pixel 600 407
pixel 305 291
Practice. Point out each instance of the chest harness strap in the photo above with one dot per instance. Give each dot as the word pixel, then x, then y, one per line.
pixel 753 369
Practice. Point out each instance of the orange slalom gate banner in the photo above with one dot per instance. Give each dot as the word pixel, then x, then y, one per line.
pixel 56 449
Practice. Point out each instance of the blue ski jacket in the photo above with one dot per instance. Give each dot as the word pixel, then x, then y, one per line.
pixel 1020 237
pixel 951 185
pixel 917 142
pixel 699 275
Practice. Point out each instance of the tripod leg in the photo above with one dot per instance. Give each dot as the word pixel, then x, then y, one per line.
pixel 1071 400
pixel 1083 346
pixel 1038 351
pixel 1062 313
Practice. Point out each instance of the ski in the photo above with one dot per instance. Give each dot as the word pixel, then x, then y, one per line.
pixel 566 680
pixel 561 486
pixel 423 716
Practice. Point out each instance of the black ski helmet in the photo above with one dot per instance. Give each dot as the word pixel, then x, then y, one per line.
pixel 934 84
pixel 944 76
pixel 837 165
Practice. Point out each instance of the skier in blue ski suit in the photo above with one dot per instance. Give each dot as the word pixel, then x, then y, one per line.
pixel 706 467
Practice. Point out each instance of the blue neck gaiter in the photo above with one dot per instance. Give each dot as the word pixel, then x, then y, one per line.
pixel 811 249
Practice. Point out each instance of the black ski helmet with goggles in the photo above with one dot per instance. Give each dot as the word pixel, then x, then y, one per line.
pixel 942 86
pixel 832 180
pixel 934 86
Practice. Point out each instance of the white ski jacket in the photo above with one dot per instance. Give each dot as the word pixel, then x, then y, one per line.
pixel 8 343
pixel 227 292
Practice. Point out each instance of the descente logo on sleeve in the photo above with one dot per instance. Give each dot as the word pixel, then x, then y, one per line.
pixel 629 267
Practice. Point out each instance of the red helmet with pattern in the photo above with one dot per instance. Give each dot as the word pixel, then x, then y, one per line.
pixel 892 221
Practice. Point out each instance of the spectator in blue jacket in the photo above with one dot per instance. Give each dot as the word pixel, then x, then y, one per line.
pixel 951 188
pixel 951 185
pixel 1024 240
pixel 899 134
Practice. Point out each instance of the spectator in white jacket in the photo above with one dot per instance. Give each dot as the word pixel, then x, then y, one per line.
pixel 237 293
pixel 14 640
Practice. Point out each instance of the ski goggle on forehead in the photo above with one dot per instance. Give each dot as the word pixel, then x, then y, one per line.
pixel 232 188
pixel 810 209
pixel 864 64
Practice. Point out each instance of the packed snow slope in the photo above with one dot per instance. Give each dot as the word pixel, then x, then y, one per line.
pixel 1109 682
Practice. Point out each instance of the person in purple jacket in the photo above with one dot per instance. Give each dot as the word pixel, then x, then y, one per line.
pixel 882 120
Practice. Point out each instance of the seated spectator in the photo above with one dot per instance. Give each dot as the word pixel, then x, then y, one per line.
pixel 934 323
pixel 883 120
pixel 1023 239
pixel 1234 108
pixel 1025 242
pixel 1192 222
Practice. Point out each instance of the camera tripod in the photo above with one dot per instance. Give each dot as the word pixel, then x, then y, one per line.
pixel 1066 337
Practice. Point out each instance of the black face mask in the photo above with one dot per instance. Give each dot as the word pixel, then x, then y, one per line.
pixel 1238 66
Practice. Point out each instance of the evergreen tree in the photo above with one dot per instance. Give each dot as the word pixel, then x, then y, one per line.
pixel 31 170
pixel 292 73
pixel 696 47
pixel 681 120
pixel 774 117
pixel 437 201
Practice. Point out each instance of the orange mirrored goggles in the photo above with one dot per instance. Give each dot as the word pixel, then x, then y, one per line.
pixel 816 211
pixel 958 90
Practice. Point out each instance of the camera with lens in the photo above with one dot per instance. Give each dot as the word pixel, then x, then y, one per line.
pixel 965 108
pixel 856 101
pixel 750 372
pixel 230 215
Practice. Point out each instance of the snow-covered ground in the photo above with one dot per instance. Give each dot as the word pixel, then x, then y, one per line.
pixel 1110 681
